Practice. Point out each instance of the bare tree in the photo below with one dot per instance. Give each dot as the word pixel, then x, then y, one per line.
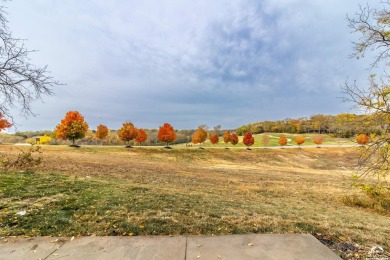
pixel 217 130
pixel 21 82
pixel 374 27
pixel 374 159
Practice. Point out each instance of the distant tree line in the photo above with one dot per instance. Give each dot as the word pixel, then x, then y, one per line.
pixel 341 125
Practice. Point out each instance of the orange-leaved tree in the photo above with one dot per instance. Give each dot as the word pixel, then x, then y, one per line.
pixel 72 127
pixel 299 140
pixel 214 139
pixel 234 139
pixel 318 140
pixel 248 140
pixel 4 122
pixel 166 134
pixel 141 136
pixel 227 137
pixel 362 139
pixel 282 140
pixel 199 136
pixel 101 133
pixel 127 133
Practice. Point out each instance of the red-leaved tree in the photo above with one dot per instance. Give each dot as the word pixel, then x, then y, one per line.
pixel 4 122
pixel 214 139
pixel 72 127
pixel 166 134
pixel 141 136
pixel 127 133
pixel 101 133
pixel 248 140
pixel 234 139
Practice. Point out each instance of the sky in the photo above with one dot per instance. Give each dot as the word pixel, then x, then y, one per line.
pixel 188 63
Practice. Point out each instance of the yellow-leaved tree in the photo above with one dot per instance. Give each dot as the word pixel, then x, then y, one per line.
pixel 199 136
pixel 227 138
pixel 127 133
pixel 299 140
pixel 362 139
pixel 282 140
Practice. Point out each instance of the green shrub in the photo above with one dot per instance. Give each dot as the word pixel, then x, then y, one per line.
pixel 376 197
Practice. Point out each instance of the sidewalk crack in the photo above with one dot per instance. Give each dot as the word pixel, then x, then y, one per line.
pixel 55 250
pixel 185 253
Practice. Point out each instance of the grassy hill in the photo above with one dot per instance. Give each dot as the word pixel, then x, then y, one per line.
pixel 154 191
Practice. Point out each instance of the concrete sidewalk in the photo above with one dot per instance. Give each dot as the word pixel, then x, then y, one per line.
pixel 164 247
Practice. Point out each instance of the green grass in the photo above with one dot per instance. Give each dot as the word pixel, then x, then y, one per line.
pixel 156 191
pixel 274 138
pixel 60 205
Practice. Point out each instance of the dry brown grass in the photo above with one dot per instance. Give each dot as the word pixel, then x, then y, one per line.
pixel 217 191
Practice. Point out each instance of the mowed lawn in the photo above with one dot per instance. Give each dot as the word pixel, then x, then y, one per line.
pixel 273 140
pixel 157 191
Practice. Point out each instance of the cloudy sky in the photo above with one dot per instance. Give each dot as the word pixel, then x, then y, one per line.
pixel 188 62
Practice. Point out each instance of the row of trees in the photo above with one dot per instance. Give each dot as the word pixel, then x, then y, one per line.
pixel 73 127
pixel 341 125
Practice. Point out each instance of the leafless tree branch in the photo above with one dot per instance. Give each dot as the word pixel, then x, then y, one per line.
pixel 21 82
pixel 373 25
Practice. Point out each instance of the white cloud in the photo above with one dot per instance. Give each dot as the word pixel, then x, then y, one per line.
pixel 225 62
